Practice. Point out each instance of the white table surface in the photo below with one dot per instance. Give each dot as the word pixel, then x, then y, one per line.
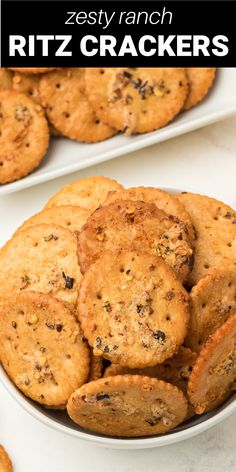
pixel 204 160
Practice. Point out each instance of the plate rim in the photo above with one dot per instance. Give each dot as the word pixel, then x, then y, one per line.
pixel 146 140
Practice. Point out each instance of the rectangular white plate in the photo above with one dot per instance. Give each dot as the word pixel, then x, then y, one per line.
pixel 66 156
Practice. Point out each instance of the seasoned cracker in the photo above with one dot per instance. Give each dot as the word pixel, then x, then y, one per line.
pixel 138 226
pixel 5 79
pixel 42 347
pixel 213 300
pixel 41 258
pixel 24 135
pixel 213 376
pixel 68 216
pixel 215 226
pixel 87 193
pixel 175 370
pixel 5 462
pixel 163 200
pixel 136 100
pixel 96 367
pixel 128 406
pixel 200 82
pixel 63 95
pixel 133 309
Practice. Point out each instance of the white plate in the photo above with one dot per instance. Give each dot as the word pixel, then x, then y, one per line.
pixel 66 156
pixel 59 420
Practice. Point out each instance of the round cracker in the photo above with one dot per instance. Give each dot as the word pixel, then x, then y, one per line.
pixel 138 226
pixel 213 300
pixel 215 226
pixel 5 462
pixel 68 216
pixel 24 135
pixel 63 95
pixel 163 200
pixel 33 70
pixel 42 347
pixel 139 317
pixel 5 79
pixel 136 100
pixel 41 258
pixel 213 376
pixel 175 371
pixel 87 193
pixel 128 406
pixel 200 82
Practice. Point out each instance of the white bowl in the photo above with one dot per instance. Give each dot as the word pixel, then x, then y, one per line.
pixel 60 421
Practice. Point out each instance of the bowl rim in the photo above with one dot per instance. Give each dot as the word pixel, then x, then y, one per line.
pixel 117 443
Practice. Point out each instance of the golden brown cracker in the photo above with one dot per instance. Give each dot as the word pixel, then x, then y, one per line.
pixel 24 135
pixel 212 301
pixel 41 258
pixel 128 406
pixel 89 192
pixel 63 95
pixel 163 200
pixel 215 226
pixel 42 347
pixel 133 309
pixel 213 376
pixel 136 100
pixel 138 226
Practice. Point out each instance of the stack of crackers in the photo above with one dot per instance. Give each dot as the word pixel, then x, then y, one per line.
pixel 119 305
pixel 87 105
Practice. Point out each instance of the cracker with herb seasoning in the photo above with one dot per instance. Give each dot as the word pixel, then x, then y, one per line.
pixel 42 347
pixel 212 301
pixel 68 216
pixel 128 406
pixel 133 309
pixel 41 258
pixel 163 200
pixel 200 81
pixel 136 100
pixel 212 379
pixel 63 96
pixel 5 462
pixel 89 192
pixel 24 135
pixel 215 226
pixel 133 225
pixel 175 370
